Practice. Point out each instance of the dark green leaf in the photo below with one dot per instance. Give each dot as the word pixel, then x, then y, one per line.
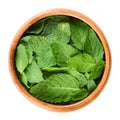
pixel 59 88
pixel 21 58
pixel 93 46
pixel 36 28
pixel 82 62
pixel 33 73
pixel 79 33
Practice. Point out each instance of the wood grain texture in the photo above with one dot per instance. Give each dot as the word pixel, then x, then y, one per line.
pixel 60 108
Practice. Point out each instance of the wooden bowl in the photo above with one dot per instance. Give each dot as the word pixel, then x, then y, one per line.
pixel 52 107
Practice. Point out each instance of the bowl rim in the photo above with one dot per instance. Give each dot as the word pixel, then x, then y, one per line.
pixel 48 106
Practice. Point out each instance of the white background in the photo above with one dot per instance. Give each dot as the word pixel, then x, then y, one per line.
pixel 13 13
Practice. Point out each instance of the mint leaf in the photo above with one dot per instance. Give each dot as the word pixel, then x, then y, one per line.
pixel 62 52
pixel 79 76
pixel 24 80
pixel 79 33
pixel 59 88
pixel 91 85
pixel 33 73
pixel 36 28
pixel 55 69
pixel 37 43
pixel 29 53
pixel 50 25
pixel 21 58
pixel 24 40
pixel 62 32
pixel 97 70
pixel 42 51
pixel 93 46
pixel 82 62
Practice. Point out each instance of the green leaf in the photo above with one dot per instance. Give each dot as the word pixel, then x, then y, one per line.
pixel 29 53
pixel 93 46
pixel 62 32
pixel 33 73
pixel 82 62
pixel 79 76
pixel 24 80
pixel 21 58
pixel 55 69
pixel 91 85
pixel 97 70
pixel 24 40
pixel 62 52
pixel 59 88
pixel 36 28
pixel 37 43
pixel 79 33
pixel 51 23
pixel 43 53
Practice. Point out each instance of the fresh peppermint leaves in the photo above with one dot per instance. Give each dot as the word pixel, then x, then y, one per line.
pixel 21 58
pixel 59 88
pixel 60 59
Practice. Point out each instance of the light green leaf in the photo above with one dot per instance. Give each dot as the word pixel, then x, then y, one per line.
pixel 93 46
pixel 21 58
pixel 62 32
pixel 33 73
pixel 29 53
pixel 59 88
pixel 62 52
pixel 82 62
pixel 25 41
pixel 79 33
pixel 24 79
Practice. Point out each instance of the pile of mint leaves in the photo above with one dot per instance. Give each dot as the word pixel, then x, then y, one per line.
pixel 60 59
